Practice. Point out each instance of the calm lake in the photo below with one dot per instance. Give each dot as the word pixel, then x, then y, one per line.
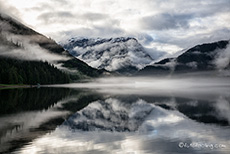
pixel 118 116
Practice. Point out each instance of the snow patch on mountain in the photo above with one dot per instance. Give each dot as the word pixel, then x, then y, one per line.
pixel 112 54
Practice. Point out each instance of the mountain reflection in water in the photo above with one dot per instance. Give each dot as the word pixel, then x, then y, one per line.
pixel 116 119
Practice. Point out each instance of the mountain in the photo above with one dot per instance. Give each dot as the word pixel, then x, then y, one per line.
pixel 204 57
pixel 123 54
pixel 20 43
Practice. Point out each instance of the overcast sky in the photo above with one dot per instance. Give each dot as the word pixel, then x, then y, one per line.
pixel 164 25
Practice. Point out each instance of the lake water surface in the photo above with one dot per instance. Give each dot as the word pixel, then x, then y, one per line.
pixel 118 116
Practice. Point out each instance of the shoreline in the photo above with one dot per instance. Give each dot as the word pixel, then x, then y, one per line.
pixel 6 86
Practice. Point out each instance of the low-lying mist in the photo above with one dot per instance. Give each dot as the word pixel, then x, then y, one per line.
pixel 178 85
pixel 28 50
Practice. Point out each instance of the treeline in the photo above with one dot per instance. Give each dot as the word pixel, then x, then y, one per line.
pixel 14 71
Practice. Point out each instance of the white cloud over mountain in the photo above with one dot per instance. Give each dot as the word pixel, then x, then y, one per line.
pixel 155 23
pixel 223 58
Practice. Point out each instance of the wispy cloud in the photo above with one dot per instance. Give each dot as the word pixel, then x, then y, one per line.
pixel 28 50
pixel 169 22
pixel 222 59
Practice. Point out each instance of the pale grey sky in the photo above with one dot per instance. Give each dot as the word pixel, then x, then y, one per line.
pixel 163 25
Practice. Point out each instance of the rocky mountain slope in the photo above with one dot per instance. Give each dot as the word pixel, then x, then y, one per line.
pixel 122 54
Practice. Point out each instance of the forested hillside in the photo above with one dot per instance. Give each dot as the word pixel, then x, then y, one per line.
pixel 28 57
pixel 30 72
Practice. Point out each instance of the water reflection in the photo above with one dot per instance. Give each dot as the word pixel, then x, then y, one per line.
pixel 108 119
pixel 34 112
pixel 114 126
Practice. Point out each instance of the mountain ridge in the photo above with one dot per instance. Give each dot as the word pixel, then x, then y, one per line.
pixel 120 54
pixel 202 57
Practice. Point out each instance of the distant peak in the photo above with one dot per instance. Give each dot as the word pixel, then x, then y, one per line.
pixel 112 39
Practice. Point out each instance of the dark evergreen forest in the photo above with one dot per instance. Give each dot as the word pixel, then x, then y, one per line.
pixel 14 71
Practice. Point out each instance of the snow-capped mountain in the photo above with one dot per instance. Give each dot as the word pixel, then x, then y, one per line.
pixel 122 54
